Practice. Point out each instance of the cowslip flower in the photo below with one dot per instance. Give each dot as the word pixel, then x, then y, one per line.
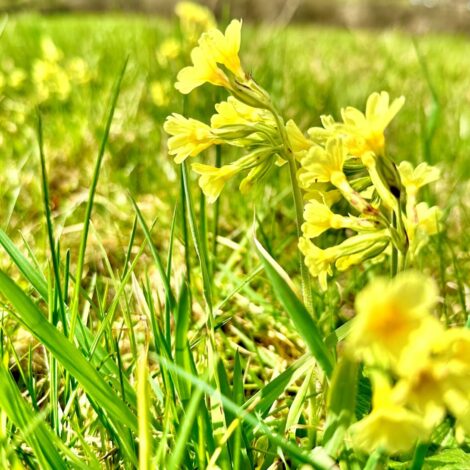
pixel 325 165
pixel 435 374
pixel 390 426
pixel 194 19
pixel 415 178
pixel 213 179
pixel 214 48
pixel 318 261
pixel 235 113
pixel 190 137
pixel 319 218
pixel 363 132
pixel 389 312
pixel 224 48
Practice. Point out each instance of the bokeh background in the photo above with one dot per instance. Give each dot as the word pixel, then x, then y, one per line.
pixel 415 15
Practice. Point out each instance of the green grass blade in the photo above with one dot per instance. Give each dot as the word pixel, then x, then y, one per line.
pixel 90 201
pixel 36 433
pixel 66 353
pixel 305 325
pixel 317 458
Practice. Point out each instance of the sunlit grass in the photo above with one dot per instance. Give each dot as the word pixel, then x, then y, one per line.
pixel 154 276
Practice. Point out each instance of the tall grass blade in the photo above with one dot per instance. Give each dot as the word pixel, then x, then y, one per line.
pixel 299 315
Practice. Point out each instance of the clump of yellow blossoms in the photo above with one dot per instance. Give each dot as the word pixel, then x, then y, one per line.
pixel 420 371
pixel 344 165
pixel 52 77
pixel 246 120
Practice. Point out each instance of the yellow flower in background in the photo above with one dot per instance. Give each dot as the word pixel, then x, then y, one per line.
pixel 213 179
pixel 159 91
pixel 224 48
pixel 390 426
pixel 189 137
pixel 50 51
pixel 203 70
pixel 168 50
pixel 78 70
pixel 415 178
pixel 50 79
pixel 319 262
pixel 16 78
pixel 194 19
pixel 388 314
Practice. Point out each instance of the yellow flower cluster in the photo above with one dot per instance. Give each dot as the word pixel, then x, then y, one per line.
pixel 245 120
pixel 346 161
pixel 419 370
pixel 54 78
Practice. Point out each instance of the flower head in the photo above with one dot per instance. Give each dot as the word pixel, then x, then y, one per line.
pixel 203 70
pixel 363 132
pixel 189 137
pixel 224 48
pixel 319 262
pixel 415 178
pixel 390 426
pixel 389 312
pixel 213 179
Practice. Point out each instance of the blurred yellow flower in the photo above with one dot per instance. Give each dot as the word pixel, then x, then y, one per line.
pixel 78 70
pixel 435 374
pixel 189 137
pixel 50 51
pixel 390 427
pixel 159 93
pixel 194 19
pixel 389 312
pixel 168 50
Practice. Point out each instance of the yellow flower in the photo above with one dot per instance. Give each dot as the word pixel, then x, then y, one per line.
pixel 363 132
pixel 299 143
pixel 159 93
pixel 415 178
pixel 390 427
pixel 213 179
pixel 435 373
pixel 78 70
pixel 169 49
pixel 190 137
pixel 319 262
pixel 50 51
pixel 324 165
pixel 319 218
pixel 233 112
pixel 224 48
pixel 203 70
pixel 389 312
pixel 194 19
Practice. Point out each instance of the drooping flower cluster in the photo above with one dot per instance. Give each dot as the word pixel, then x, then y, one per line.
pixel 246 120
pixel 419 370
pixel 345 168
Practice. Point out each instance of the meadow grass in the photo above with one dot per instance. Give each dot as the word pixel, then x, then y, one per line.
pixel 182 345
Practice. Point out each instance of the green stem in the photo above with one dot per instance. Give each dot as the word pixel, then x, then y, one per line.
pixel 419 456
pixel 298 205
